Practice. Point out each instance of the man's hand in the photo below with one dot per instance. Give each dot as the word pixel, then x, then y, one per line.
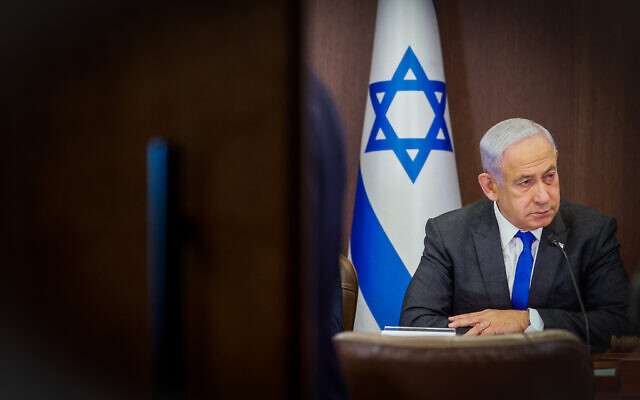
pixel 492 322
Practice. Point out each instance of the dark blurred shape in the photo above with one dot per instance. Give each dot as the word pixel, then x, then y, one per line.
pixel 163 224
pixel 552 364
pixel 322 190
pixel 634 301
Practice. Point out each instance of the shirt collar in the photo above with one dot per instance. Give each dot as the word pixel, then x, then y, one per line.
pixel 507 230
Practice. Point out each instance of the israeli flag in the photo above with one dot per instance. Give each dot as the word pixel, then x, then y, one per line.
pixel 407 165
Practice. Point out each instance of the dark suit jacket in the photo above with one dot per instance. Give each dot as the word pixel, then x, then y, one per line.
pixel 462 270
pixel 322 183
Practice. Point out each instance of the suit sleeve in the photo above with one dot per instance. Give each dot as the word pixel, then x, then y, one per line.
pixel 604 284
pixel 427 301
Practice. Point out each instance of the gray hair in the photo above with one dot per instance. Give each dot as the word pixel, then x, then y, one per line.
pixel 503 135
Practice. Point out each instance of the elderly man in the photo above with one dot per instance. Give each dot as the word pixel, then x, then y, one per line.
pixel 490 267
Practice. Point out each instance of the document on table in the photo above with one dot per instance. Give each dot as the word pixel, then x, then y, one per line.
pixel 417 331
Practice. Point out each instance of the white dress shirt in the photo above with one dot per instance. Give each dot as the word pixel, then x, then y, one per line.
pixel 511 249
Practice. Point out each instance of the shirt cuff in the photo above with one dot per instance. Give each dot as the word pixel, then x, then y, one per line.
pixel 536 324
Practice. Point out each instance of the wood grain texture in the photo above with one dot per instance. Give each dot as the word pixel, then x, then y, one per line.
pixel 84 91
pixel 338 42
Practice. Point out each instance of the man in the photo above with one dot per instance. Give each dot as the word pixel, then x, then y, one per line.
pixel 490 267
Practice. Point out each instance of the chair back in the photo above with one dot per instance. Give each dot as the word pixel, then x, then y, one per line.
pixel 349 279
pixel 552 364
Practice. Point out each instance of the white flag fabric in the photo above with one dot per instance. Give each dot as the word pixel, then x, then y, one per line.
pixel 407 165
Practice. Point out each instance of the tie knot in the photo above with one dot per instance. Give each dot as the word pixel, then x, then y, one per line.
pixel 527 238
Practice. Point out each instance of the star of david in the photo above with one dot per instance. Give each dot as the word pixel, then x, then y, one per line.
pixel 389 140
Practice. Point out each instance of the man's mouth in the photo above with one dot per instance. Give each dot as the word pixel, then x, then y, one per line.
pixel 542 213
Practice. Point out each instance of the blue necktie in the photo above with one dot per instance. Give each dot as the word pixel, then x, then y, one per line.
pixel 520 295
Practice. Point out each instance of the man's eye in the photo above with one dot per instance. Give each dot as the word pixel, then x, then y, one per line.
pixel 550 177
pixel 524 183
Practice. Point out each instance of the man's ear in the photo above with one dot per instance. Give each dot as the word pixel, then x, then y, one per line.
pixel 489 186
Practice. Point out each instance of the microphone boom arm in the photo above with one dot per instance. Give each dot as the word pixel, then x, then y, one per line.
pixel 560 245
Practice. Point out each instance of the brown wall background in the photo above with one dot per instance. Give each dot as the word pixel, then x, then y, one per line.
pixel 571 66
pixel 83 89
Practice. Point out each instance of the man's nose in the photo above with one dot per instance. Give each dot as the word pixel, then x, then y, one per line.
pixel 541 196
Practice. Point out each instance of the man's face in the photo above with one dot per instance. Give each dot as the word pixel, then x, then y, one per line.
pixel 529 197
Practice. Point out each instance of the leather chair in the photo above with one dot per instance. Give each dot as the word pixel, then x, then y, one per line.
pixel 552 364
pixel 349 279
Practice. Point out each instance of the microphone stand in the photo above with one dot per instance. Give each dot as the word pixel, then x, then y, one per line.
pixel 560 245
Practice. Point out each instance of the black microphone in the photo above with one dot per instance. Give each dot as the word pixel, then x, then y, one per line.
pixel 555 242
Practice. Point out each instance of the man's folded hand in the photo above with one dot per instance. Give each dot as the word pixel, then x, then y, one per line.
pixel 492 322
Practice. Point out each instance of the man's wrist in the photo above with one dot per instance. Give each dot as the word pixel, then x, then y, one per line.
pixel 536 324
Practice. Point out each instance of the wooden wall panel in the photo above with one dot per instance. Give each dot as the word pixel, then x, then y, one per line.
pixel 73 207
pixel 84 89
pixel 338 41
pixel 569 65
pixel 607 97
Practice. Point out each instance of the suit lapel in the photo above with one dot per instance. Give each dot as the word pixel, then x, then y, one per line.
pixel 548 260
pixel 486 239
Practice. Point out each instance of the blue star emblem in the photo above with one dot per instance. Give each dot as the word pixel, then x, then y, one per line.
pixel 389 140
